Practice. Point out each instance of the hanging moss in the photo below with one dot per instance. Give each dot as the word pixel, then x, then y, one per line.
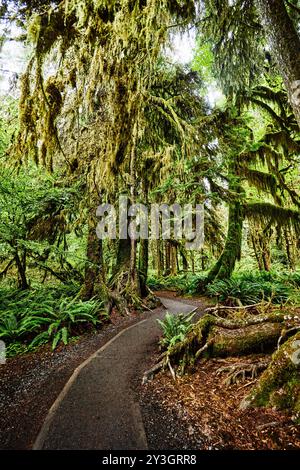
pixel 115 46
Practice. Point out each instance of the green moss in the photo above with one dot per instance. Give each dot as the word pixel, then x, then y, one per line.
pixel 255 338
pixel 279 385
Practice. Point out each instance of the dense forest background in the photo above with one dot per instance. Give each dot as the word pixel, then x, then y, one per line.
pixel 103 109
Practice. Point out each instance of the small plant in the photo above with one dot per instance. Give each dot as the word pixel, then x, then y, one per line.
pixel 175 328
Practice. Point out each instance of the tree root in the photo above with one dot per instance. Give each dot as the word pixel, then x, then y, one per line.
pixel 149 374
pixel 239 372
pixel 224 311
pixel 213 336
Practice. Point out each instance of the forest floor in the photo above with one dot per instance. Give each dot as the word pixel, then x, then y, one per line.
pixel 197 412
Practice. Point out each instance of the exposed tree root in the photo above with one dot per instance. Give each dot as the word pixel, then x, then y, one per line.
pixel 239 372
pixel 149 374
pixel 213 336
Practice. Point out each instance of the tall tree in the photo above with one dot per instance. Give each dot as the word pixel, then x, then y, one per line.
pixel 285 43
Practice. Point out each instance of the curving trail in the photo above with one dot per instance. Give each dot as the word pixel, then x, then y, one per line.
pixel 97 408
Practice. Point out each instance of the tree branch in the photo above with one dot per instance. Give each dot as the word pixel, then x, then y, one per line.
pixel 294 7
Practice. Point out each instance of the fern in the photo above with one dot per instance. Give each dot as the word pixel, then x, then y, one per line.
pixel 175 328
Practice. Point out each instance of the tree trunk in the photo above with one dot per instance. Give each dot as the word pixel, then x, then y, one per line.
pixel 123 258
pixel 185 263
pixel 143 266
pixel 285 44
pixel 266 253
pixel 153 254
pixel 173 259
pixel 159 258
pixel 289 249
pixel 167 270
pixel 94 276
pixel 193 262
pixel 21 266
pixel 224 267
pixel 221 337
pixel 134 280
pixel 257 252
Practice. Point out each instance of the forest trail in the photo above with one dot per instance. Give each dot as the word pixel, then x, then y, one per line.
pixel 97 409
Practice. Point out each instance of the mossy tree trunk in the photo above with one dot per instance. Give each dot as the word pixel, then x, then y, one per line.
pixel 123 258
pixel 173 259
pixel 225 265
pixel 159 258
pixel 94 274
pixel 279 385
pixel 285 44
pixel 143 266
pixel 290 249
pixel 213 336
pixel 257 253
pixel 265 251
pixel 184 259
pixel 167 270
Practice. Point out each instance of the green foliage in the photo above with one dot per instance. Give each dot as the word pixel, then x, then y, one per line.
pixel 33 318
pixel 251 288
pixel 35 214
pixel 185 282
pixel 175 328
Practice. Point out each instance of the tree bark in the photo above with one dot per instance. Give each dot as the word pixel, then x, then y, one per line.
pixel 221 337
pixel 257 252
pixel 167 270
pixel 21 266
pixel 94 276
pixel 225 265
pixel 185 263
pixel 123 257
pixel 285 44
pixel 159 258
pixel 143 266
pixel 173 258
pixel 290 249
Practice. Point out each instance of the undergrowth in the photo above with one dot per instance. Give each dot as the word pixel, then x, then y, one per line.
pixel 53 315
pixel 244 288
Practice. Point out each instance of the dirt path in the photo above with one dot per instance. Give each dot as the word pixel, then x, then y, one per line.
pixel 98 408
